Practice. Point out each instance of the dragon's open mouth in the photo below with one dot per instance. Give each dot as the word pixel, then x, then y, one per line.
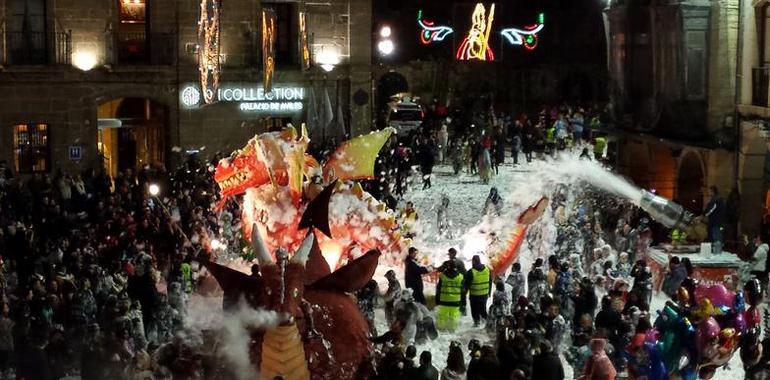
pixel 234 180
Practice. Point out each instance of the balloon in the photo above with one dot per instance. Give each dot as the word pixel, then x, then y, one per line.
pixel 657 369
pixel 707 330
pixel 689 328
pixel 717 294
pixel 752 317
pixel 728 338
pixel 739 303
pixel 705 309
pixel 753 292
pixel 683 297
pixel 652 336
pixel 739 322
pixel 684 360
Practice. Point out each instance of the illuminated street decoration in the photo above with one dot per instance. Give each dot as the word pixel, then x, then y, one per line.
pixel 304 46
pixel 430 32
pixel 209 64
pixel 526 36
pixel 476 45
pixel 268 47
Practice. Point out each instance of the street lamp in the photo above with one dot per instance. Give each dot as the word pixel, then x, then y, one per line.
pixel 385 32
pixel 385 47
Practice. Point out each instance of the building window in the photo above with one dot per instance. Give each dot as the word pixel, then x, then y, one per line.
pixel 131 31
pixel 32 152
pixel 286 34
pixel 25 34
pixel 695 72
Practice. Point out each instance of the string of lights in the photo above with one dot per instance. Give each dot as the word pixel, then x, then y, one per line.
pixel 209 64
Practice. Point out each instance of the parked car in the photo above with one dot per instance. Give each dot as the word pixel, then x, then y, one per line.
pixel 405 117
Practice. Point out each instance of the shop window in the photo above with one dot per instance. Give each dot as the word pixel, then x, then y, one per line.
pixel 31 149
pixel 287 33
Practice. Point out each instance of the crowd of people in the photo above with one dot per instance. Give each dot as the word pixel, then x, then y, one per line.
pixel 83 259
pixel 585 302
pixel 97 271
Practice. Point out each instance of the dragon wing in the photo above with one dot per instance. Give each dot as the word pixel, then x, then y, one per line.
pixel 354 159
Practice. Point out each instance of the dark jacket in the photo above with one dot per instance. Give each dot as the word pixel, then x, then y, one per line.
pixel 413 276
pixel 547 366
pixel 425 372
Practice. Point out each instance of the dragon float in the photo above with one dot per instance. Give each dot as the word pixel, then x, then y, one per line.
pixel 291 203
pixel 278 179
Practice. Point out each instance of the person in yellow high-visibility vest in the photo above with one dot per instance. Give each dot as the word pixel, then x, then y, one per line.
pixel 478 283
pixel 449 295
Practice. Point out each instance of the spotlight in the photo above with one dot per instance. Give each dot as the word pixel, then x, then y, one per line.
pixel 154 189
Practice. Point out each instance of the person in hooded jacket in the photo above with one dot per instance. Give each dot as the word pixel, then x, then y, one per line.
pixel 391 295
pixel 493 206
pixel 455 363
pixel 546 365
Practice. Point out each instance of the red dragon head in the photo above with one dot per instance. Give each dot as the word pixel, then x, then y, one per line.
pixel 245 170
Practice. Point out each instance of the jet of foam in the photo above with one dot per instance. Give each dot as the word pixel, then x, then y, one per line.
pixel 593 173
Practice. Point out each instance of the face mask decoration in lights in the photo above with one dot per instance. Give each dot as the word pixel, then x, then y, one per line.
pixel 475 46
pixel 526 36
pixel 430 32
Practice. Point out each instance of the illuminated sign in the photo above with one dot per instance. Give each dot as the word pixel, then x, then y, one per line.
pixel 252 98
pixel 476 44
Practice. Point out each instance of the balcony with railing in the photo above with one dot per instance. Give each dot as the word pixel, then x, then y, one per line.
pixel 35 48
pixel 141 48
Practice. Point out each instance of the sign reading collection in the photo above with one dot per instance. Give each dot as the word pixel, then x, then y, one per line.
pixel 252 98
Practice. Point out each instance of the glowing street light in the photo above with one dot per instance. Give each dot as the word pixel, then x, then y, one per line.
pixel 84 60
pixel 385 32
pixel 154 189
pixel 386 47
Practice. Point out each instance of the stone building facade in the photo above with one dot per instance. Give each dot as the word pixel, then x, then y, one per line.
pixel 92 81
pixel 673 69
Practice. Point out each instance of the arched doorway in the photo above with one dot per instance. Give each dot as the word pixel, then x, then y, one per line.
pixel 132 133
pixel 689 183
pixel 391 83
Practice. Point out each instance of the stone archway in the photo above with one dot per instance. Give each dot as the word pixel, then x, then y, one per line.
pixel 690 182
pixel 132 132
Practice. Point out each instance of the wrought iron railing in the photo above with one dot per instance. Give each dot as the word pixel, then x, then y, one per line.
pixel 141 48
pixel 36 48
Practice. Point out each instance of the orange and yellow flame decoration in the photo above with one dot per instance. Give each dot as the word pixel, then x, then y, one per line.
pixel 278 179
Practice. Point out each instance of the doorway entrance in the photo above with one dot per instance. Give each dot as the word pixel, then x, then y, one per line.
pixel 690 183
pixel 132 134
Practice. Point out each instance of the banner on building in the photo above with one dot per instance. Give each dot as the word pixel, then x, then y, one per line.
pixel 209 64
pixel 268 47
pixel 304 44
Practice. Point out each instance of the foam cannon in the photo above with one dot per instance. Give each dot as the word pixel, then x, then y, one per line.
pixel 665 212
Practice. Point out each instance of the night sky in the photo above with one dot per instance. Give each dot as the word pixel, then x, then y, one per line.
pixel 573 33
